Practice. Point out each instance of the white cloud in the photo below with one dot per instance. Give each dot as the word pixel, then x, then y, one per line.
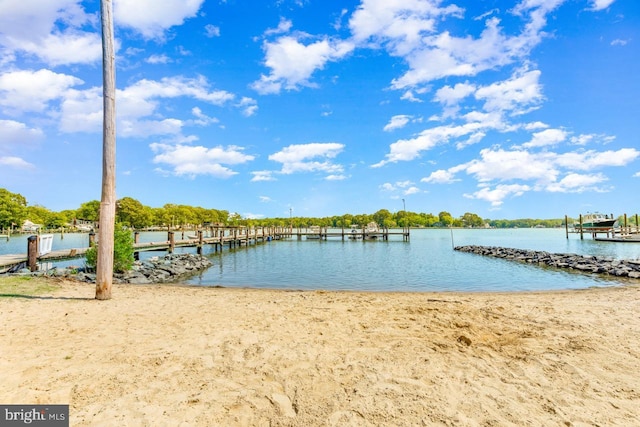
pixel 410 149
pixel 284 26
pixel 496 195
pixel 449 96
pixel 15 134
pixel 138 106
pixel 589 160
pixel 409 96
pixel 81 111
pixel 158 59
pixel 440 177
pixel 15 162
pixel 51 31
pixel 409 30
pixel 502 165
pixel 211 31
pixel 262 176
pixel 406 188
pixel 544 171
pixel 191 161
pixel 443 55
pixel 398 25
pixel 335 177
pixel 600 4
pixel 151 18
pixel 545 138
pixel 201 118
pixel 248 105
pixel 292 63
pixel 31 91
pixel 302 158
pixel 411 190
pixel 397 122
pixel 579 183
pixel 519 94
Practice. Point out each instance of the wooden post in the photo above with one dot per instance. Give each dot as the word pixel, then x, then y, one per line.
pixel 566 226
pixel 172 242
pixel 581 231
pixel 136 240
pixel 200 242
pixel 104 270
pixel 32 252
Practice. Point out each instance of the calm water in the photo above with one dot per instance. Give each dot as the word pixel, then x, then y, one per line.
pixel 427 263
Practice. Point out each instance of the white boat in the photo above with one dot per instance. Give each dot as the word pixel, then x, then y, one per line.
pixel 371 231
pixel 355 233
pixel 596 220
pixel 314 232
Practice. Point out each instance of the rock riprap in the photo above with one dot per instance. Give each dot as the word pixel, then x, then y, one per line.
pixel 584 263
pixel 170 268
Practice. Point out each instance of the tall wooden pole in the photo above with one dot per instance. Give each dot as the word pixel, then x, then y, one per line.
pixel 104 271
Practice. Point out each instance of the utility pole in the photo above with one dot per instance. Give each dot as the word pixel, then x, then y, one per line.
pixel 104 271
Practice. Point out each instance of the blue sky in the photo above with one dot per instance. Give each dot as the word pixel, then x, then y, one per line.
pixel 506 109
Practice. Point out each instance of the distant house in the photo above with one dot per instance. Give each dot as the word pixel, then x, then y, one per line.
pixel 30 227
pixel 84 225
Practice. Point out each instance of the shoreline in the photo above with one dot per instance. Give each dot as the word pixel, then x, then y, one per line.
pixel 171 354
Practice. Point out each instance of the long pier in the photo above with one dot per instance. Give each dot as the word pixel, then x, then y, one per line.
pixel 216 236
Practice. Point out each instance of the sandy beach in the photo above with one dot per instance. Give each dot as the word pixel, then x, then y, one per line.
pixel 186 356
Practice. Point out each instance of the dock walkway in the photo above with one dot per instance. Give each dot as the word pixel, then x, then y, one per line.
pixel 218 237
pixel 223 236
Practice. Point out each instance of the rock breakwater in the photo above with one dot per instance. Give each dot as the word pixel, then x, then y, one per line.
pixel 170 268
pixel 583 263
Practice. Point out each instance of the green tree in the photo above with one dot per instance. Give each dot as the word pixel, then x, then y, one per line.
pixel 383 218
pixel 122 251
pixel 471 220
pixel 41 215
pixel 445 219
pixel 13 209
pixel 133 213
pixel 89 211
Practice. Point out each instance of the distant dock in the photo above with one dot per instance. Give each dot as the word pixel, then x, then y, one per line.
pixel 622 233
pixel 324 233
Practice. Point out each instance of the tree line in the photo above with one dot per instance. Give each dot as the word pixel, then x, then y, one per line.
pixel 14 210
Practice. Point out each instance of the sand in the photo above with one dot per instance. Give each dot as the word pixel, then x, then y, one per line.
pixel 185 356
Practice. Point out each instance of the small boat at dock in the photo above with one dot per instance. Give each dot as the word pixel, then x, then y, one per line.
pixel 371 231
pixel 314 232
pixel 596 220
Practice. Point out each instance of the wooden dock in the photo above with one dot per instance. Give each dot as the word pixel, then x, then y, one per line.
pixel 620 233
pixel 220 237
pixel 351 234
pixel 217 236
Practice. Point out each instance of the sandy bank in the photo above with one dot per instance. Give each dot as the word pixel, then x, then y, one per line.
pixel 167 355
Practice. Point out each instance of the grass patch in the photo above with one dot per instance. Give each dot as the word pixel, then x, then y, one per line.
pixel 20 286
